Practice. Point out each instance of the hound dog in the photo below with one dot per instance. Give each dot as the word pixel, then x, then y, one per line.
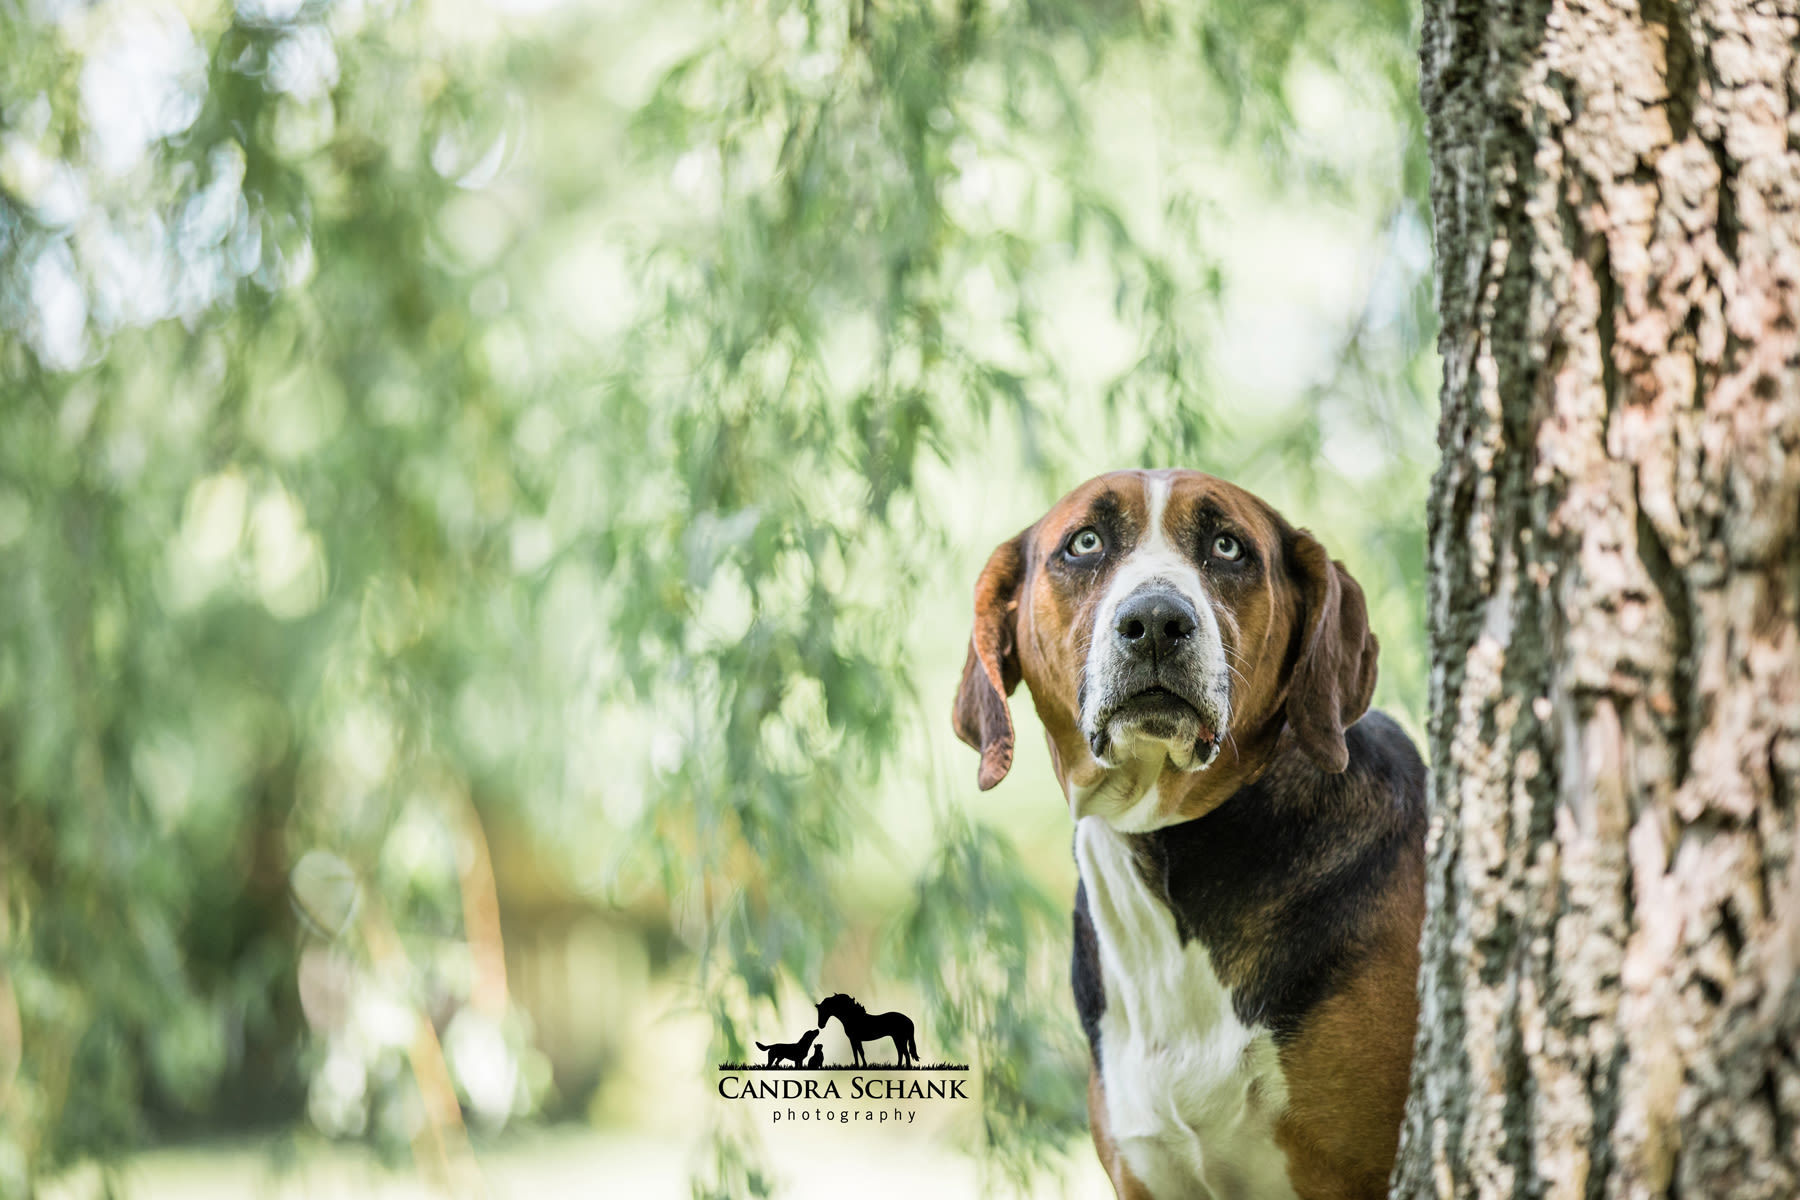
pixel 1250 844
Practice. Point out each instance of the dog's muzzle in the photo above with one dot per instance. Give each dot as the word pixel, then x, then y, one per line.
pixel 1157 677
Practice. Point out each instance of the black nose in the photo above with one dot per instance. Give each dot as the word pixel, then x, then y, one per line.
pixel 1155 622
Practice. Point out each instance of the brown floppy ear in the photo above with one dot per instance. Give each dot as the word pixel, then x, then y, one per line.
pixel 1334 675
pixel 992 670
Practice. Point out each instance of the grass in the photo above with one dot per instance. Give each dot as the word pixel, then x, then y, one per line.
pixel 729 1066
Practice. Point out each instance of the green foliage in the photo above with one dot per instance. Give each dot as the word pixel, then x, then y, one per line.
pixel 419 423
pixel 977 940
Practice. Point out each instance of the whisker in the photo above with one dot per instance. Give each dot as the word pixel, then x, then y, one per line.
pixel 1227 617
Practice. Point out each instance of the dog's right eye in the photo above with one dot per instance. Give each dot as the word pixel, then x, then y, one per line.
pixel 1086 542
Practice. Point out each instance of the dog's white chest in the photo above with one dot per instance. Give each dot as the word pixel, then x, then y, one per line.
pixel 1192 1093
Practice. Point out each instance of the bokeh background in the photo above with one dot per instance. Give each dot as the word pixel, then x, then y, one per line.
pixel 489 499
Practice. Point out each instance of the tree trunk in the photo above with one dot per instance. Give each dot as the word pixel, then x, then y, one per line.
pixel 1608 1001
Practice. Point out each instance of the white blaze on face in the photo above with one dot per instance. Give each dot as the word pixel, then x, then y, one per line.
pixel 1154 560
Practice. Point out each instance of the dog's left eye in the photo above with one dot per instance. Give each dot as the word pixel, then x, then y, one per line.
pixel 1227 547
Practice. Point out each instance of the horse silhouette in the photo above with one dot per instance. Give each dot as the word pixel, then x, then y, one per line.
pixel 860 1026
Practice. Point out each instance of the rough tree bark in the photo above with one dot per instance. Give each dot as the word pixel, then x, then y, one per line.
pixel 1609 998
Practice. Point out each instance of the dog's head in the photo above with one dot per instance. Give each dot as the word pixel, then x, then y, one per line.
pixel 1170 627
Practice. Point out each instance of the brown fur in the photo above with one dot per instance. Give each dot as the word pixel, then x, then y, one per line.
pixel 1125 1184
pixel 1349 1068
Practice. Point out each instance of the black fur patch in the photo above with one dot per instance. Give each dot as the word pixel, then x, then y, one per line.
pixel 1084 973
pixel 1280 881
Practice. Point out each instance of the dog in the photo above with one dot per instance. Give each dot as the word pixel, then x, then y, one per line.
pixel 1250 844
pixel 818 1057
pixel 795 1051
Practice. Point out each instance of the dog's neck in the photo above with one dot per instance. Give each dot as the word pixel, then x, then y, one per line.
pixel 1209 874
pixel 1146 792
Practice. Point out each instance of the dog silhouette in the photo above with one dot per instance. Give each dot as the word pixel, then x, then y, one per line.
pixel 789 1050
pixel 818 1058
